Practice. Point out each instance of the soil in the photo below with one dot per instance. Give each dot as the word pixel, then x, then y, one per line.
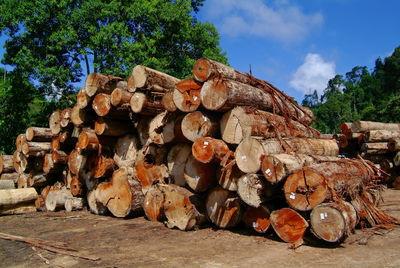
pixel 137 242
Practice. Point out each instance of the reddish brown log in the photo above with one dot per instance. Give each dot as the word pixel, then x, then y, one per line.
pixel 289 225
pixel 76 161
pixel 199 176
pixel 66 118
pixel 82 99
pixel 197 125
pixel 153 204
pixel 49 166
pixel 223 208
pixel 76 186
pixel 120 97
pixel 177 157
pixel 149 174
pixel 112 127
pixel 186 96
pixel 38 134
pixel 88 140
pixel 140 103
pixel 228 177
pixel 55 122
pixel 60 157
pixel 102 104
pixel 95 206
pixel 6 164
pixel 345 129
pixel 257 218
pixel 99 83
pixel 394 144
pixel 147 78
pixel 207 149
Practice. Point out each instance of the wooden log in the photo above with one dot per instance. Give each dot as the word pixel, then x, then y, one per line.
pixel 327 136
pixel 333 222
pixel 125 151
pixel 251 189
pixel 143 130
pixel 88 140
pixel 55 122
pixel 364 126
pixel 140 103
pixel 257 218
pixel 21 139
pixel 74 203
pixel 22 181
pixel 147 78
pixel 345 128
pixel 102 104
pixel 16 201
pixel 6 164
pixel 250 150
pixel 289 225
pixel 22 163
pixel 80 116
pixel 153 204
pixel 153 154
pixel 120 97
pixel 148 174
pixel 10 176
pixel 223 208
pixel 168 101
pixel 208 149
pixel 7 184
pixel 76 161
pixel 228 177
pixel 241 122
pixel 38 134
pixel 118 196
pixel 38 180
pixel 176 159
pixel 59 157
pixel 162 128
pixel 396 159
pixel 182 208
pixel 380 135
pixel 197 125
pixel 394 144
pixel 101 166
pixel 38 149
pixel 186 95
pixel 95 206
pixel 379 146
pixel 112 127
pixel 100 83
pixel 199 176
pixel 55 200
pixel 82 99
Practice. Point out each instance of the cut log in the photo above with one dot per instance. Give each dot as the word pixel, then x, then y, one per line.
pixel 241 122
pixel 38 180
pixel 101 166
pixel 81 116
pixel 55 200
pixel 40 204
pixel 345 129
pixel 125 151
pixel 10 176
pixel 250 150
pixel 333 222
pixel 153 204
pixel 66 118
pixel 59 157
pixel 95 206
pixel 23 163
pixel 257 218
pixel 148 174
pixel 199 176
pixel 380 135
pixel 153 154
pixel 143 130
pixel 140 103
pixel 82 99
pixel 38 149
pixel 394 144
pixel 88 140
pixel 100 83
pixel 118 196
pixel 102 104
pixel 16 201
pixel 223 208
pixel 228 177
pixel 183 209
pixel 76 161
pixel 177 157
pixel 38 134
pixel 364 126
pixel 112 127
pixel 74 203
pixel 49 166
pixel 186 95
pixel 21 139
pixel 6 164
pixel 251 189
pixel 168 101
pixel 197 125
pixel 120 97
pixel 55 122
pixel 22 181
pixel 162 128
pixel 289 225
pixel 378 146
pixel 208 149
pixel 7 184
pixel 147 78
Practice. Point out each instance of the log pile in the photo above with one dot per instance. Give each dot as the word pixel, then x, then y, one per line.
pixel 377 142
pixel 222 147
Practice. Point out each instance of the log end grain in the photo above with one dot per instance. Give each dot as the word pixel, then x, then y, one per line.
pixel 288 224
pixel 257 218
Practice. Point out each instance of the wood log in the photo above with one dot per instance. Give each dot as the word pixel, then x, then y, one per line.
pixel 65 121
pixel 223 208
pixel 364 126
pixel 162 128
pixel 140 103
pixel 59 157
pixel 95 206
pixel 241 122
pixel 118 196
pixel 38 134
pixel 228 177
pixel 222 95
pixel 112 127
pixel 7 184
pixel 379 146
pixel 182 208
pixel 208 149
pixel 333 222
pixel 257 218
pixel 101 166
pixel 125 151
pixel 55 122
pixel 396 159
pixel 6 164
pixel 74 203
pixel 120 97
pixel 153 154
pixel 197 125
pixel 55 200
pixel 199 176
pixel 102 104
pixel 394 144
pixel 22 181
pixel 82 99
pixel 38 149
pixel 289 225
pixel 250 150
pixel 153 204
pixel 380 135
pixel 147 78
pixel 100 83
pixel 10 176
pixel 143 130
pixel 80 116
pixel 38 180
pixel 176 159
pixel 21 139
pixel 251 189
pixel 16 201
pixel 88 140
pixel 345 129
pixel 148 174
pixel 186 95
pixel 168 101
pixel 40 204
pixel 327 136
pixel 22 163
pixel 48 165
pixel 76 161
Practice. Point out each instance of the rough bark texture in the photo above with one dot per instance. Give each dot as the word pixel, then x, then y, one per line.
pixel 168 101
pixel 364 126
pixel 289 225
pixel 74 203
pixel 380 135
pixel 38 149
pixel 100 83
pixel 10 176
pixel 6 164
pixel 38 134
pixel 147 78
pixel 197 125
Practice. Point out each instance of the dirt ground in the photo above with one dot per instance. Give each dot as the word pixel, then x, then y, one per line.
pixel 140 243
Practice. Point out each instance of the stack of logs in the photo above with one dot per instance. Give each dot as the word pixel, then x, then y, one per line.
pixel 222 147
pixel 377 142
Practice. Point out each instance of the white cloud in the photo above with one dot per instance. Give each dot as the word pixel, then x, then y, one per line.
pixel 280 21
pixel 313 74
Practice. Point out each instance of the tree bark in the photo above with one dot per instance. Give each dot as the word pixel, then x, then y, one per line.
pixel 208 149
pixel 55 122
pixel 82 99
pixel 125 151
pixel 140 103
pixel 199 176
pixel 16 201
pixel 394 144
pixel 380 135
pixel 38 149
pixel 153 204
pixel 6 164
pixel 120 97
pixel 10 176
pixel 38 134
pixel 99 83
pixel 241 122
pixel 55 200
pixel 364 126
pixel 176 159
pixel 289 225
pixel 197 125
pixel 251 189
pixel 257 218
pixel 147 78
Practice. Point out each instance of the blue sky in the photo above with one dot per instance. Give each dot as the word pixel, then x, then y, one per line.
pixel 298 45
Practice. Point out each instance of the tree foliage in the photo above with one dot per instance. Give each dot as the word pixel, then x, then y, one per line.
pixel 359 95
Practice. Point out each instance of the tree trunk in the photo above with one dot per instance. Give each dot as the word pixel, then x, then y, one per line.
pixel 223 208
pixel 49 165
pixel 38 134
pixel 6 164
pixel 149 174
pixel 82 99
pixel 197 125
pixel 102 104
pixel 10 176
pixel 99 83
pixel 345 129
pixel 257 218
pixel 199 176
pixel 56 199
pixel 111 127
pixel 177 157
pixel 16 201
pixel 242 122
pixel 55 122
pixel 120 97
pixel 74 203
pixel 88 140
pixel 251 189
pixel 249 151
pixel 153 204
pixel 162 128
pixel 140 103
pixel 289 225
pixel 125 151
pixel 380 135
pixel 147 78
pixel 168 101
pixel 364 126
pixel 394 144
pixel 7 184
pixel 208 149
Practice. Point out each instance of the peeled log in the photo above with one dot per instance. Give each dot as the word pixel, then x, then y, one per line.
pixel 147 78
pixel 38 134
pixel 223 208
pixel 289 225
pixel 199 176
pixel 197 125
pixel 55 122
pixel 333 222
pixel 125 151
pixel 153 204
pixel 177 157
pixel 100 83
pixel 248 153
pixel 394 144
pixel 56 199
pixel 112 127
pixel 6 164
pixel 257 218
pixel 242 122
pixel 208 149
pixel 16 201
pixel 251 189
pixel 74 203
pixel 143 104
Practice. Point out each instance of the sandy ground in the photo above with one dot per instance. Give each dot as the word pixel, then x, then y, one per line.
pixel 139 243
